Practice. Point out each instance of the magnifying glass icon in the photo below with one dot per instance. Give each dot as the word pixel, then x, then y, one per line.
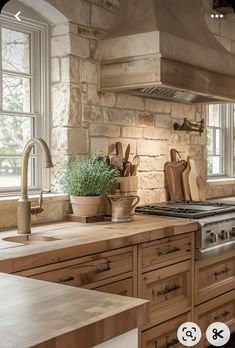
pixel 189 334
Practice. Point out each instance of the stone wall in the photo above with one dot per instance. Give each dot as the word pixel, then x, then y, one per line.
pixel 86 121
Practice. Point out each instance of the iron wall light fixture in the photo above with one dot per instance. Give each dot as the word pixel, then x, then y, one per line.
pixel 189 126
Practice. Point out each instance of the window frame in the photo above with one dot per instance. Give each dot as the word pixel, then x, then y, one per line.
pixel 40 110
pixel 227 113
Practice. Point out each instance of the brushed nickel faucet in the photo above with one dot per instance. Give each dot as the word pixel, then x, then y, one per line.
pixel 24 209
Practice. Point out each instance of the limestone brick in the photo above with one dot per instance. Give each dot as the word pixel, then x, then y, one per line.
pixel 64 28
pixel 101 18
pixel 157 106
pixel 70 69
pixel 131 132
pixel 145 119
pixel 118 116
pixel 148 164
pixel 108 99
pixel 75 11
pixel 152 147
pixel 180 111
pixel 79 46
pixel 151 180
pixel 78 141
pixel 156 133
pixel 152 196
pixel 104 130
pixel 60 46
pixel 125 101
pixel 162 121
pixel 65 104
pixel 55 70
pixel 88 72
pixel 98 144
pixel 112 5
pixel 179 138
pixel 92 113
pixel 93 96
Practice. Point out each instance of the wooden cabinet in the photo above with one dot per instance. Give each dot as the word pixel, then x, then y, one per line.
pixel 89 272
pixel 164 335
pixel 159 253
pixel 214 277
pixel 221 309
pixel 122 287
pixel 169 291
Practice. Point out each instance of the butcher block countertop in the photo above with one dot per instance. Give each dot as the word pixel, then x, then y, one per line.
pixel 83 239
pixel 39 314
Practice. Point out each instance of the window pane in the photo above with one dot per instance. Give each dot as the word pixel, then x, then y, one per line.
pixel 16 94
pixel 214 116
pixel 14 133
pixel 218 142
pixel 210 141
pixel 15 51
pixel 215 165
pixel 10 170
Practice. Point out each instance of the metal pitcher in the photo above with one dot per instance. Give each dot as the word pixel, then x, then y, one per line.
pixel 122 206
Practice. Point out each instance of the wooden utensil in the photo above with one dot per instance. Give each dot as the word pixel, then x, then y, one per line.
pixel 117 160
pixel 127 169
pixel 135 165
pixel 127 153
pixel 193 180
pixel 185 181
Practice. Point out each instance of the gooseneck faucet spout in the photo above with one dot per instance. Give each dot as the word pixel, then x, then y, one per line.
pixel 24 209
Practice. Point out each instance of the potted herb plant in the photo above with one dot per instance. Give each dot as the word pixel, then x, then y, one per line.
pixel 86 181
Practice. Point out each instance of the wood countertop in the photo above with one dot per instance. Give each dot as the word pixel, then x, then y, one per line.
pixel 83 239
pixel 39 314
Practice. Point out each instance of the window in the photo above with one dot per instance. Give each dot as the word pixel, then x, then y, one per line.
pixel 23 103
pixel 220 140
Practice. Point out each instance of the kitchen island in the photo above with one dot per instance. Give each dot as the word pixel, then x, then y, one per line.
pixel 39 314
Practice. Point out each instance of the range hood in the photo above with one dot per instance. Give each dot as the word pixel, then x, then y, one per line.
pixel 163 49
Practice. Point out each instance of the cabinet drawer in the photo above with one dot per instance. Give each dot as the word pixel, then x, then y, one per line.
pixel 220 309
pixel 165 251
pixel 168 290
pixel 123 287
pixel 164 335
pixel 97 268
pixel 213 278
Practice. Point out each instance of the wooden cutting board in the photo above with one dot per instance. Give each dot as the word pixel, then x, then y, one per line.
pixel 193 180
pixel 173 176
pixel 185 181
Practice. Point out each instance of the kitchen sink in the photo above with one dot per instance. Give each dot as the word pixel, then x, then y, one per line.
pixel 30 239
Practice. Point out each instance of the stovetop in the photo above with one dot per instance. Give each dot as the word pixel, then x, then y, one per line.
pixel 187 209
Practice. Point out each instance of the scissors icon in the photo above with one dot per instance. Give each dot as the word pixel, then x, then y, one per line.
pixel 217 334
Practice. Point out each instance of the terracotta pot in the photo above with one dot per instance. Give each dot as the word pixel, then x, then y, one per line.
pixel 85 206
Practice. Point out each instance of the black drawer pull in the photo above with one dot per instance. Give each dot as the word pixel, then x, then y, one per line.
pixel 66 279
pixel 168 290
pixel 104 268
pixel 168 251
pixel 221 316
pixel 226 270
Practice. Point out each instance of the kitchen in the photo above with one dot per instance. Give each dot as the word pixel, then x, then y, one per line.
pixel 94 65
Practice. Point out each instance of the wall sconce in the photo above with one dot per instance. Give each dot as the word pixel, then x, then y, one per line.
pixel 188 126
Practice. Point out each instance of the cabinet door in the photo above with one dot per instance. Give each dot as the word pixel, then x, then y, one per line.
pixel 220 309
pixel 122 287
pixel 157 254
pixel 164 335
pixel 98 268
pixel 168 290
pixel 213 278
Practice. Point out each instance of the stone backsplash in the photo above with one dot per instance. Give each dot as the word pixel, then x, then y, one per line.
pixel 85 121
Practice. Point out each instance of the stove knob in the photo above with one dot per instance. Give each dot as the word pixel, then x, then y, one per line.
pixel 224 234
pixel 213 237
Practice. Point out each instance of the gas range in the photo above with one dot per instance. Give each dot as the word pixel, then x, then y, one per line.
pixel 216 222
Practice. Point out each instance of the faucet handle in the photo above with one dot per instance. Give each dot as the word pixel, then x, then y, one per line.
pixel 38 209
